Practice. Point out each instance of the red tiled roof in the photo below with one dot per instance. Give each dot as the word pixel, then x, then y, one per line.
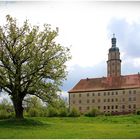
pixel 107 83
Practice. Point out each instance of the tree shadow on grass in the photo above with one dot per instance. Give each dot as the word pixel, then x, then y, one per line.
pixel 22 123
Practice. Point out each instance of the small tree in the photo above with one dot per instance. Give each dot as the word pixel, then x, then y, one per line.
pixel 33 106
pixel 93 112
pixel 74 113
pixel 31 62
pixel 6 109
pixel 58 108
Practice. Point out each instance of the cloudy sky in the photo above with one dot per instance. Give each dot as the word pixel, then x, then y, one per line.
pixel 86 27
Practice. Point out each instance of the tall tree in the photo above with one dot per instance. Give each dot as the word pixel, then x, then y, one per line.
pixel 31 62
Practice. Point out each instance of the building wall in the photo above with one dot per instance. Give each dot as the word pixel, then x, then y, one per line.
pixel 113 101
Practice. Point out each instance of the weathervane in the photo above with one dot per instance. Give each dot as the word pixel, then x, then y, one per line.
pixel 113 35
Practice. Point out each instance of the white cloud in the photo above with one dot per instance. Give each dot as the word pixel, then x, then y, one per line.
pixel 83 25
pixel 137 62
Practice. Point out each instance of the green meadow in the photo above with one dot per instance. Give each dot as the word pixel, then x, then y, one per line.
pixel 72 128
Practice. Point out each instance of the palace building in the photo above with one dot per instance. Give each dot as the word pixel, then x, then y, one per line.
pixel 116 93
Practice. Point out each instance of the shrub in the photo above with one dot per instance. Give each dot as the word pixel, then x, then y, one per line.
pixel 4 114
pixel 33 112
pixel 63 112
pixel 74 113
pixel 93 113
pixel 138 112
pixel 52 112
pixel 108 114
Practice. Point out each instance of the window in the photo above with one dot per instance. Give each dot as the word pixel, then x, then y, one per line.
pixel 123 106
pixel 87 107
pixel 108 93
pixel 134 92
pixel 129 106
pixel 79 101
pixel 108 107
pixel 93 101
pixel 129 99
pixel 98 107
pixel 123 91
pixel 129 91
pixel 134 106
pixel 92 94
pixel 108 100
pixel 112 107
pixel 104 93
pixel 116 107
pixel 80 108
pixel 87 94
pixel 104 107
pixel 116 93
pixel 112 93
pixel 123 99
pixel 79 95
pixel 116 100
pixel 134 99
pixel 87 101
pixel 104 100
pixel 112 100
pixel 99 100
pixel 73 95
pixel 98 94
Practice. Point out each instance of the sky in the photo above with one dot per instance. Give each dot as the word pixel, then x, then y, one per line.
pixel 86 27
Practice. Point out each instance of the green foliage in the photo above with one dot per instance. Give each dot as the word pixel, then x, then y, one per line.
pixel 108 114
pixel 31 62
pixel 33 112
pixel 63 112
pixel 138 112
pixel 58 108
pixel 35 108
pixel 74 113
pixel 4 114
pixel 52 112
pixel 93 113
pixel 6 109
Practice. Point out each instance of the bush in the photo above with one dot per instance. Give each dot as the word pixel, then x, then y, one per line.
pixel 74 113
pixel 4 114
pixel 108 114
pixel 63 112
pixel 33 112
pixel 138 112
pixel 52 112
pixel 93 113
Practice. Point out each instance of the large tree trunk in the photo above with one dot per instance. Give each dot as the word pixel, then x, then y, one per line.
pixel 18 108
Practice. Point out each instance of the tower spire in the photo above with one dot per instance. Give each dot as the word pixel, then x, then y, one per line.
pixel 114 61
pixel 113 35
pixel 113 40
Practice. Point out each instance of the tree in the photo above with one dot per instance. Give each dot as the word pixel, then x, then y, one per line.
pixel 31 62
pixel 32 102
pixel 58 108
pixel 33 106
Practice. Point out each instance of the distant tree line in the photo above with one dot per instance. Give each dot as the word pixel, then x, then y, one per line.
pixel 34 107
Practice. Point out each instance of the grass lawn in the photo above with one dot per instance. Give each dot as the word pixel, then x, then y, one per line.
pixel 72 128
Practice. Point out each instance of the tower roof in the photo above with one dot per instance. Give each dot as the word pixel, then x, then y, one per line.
pixel 113 41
